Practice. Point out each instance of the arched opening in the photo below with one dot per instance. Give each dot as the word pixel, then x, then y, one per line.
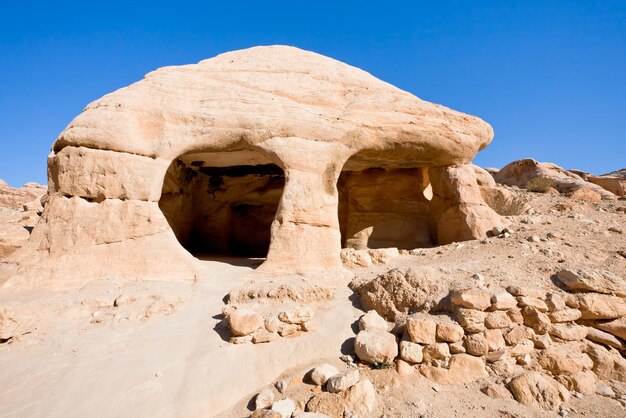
pixel 222 203
pixel 384 205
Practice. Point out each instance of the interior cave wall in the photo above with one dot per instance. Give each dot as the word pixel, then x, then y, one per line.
pixel 381 208
pixel 222 210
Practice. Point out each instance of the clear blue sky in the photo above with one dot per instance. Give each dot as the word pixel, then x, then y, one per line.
pixel 550 76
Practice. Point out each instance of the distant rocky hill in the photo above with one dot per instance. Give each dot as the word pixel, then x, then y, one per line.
pixel 617 173
pixel 16 198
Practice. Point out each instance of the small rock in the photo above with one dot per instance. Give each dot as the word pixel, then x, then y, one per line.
pixel 263 336
pixel 285 330
pixel 603 389
pixel 554 302
pixel 497 391
pixel 421 330
pixel 343 380
pixel 542 341
pixel 568 332
pixel 450 333
pixel 296 316
pixel 476 344
pixel 473 298
pixel 495 340
pixel 263 399
pixel 372 320
pixel 457 348
pixel 323 372
pixel 284 407
pixel 244 322
pixel 281 386
pixel 528 301
pixel 497 319
pixel 411 352
pixel 437 351
pixel 404 369
pixel 471 320
pixel 565 315
pixel 272 323
pixel 535 319
pixel 361 399
pixel 503 301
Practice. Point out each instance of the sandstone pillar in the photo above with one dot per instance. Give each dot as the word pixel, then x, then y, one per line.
pixel 305 233
pixel 458 211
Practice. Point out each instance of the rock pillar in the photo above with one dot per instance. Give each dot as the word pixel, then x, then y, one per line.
pixel 305 233
pixel 458 211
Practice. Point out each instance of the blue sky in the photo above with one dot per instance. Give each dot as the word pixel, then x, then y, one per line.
pixel 550 76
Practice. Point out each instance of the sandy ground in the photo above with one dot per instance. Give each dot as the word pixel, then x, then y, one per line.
pixel 170 357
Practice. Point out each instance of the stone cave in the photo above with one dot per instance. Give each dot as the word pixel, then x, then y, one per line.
pixel 222 210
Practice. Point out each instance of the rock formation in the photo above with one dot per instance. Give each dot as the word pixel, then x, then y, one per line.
pixel 522 172
pixel 269 150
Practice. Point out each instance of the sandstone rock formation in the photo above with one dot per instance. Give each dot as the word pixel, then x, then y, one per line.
pixel 269 150
pixel 521 172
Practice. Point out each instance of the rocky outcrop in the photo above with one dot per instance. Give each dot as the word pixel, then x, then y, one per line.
pixel 522 172
pixel 17 198
pixel 270 151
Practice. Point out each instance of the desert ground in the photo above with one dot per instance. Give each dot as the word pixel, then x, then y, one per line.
pixel 161 349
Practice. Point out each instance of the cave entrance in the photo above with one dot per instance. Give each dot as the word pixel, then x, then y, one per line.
pixel 383 206
pixel 222 204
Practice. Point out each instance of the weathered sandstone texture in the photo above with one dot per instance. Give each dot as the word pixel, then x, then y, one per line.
pixel 269 151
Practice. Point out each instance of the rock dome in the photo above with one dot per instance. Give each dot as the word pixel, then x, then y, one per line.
pixel 268 151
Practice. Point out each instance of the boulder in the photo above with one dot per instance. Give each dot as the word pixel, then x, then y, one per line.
pixel 538 390
pixel 613 184
pixel 161 144
pixel 395 293
pixel 244 321
pixel 585 194
pixel 521 172
pixel 376 347
pixel 564 359
pixel 495 340
pixel 599 281
pixel 582 382
pixel 532 302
